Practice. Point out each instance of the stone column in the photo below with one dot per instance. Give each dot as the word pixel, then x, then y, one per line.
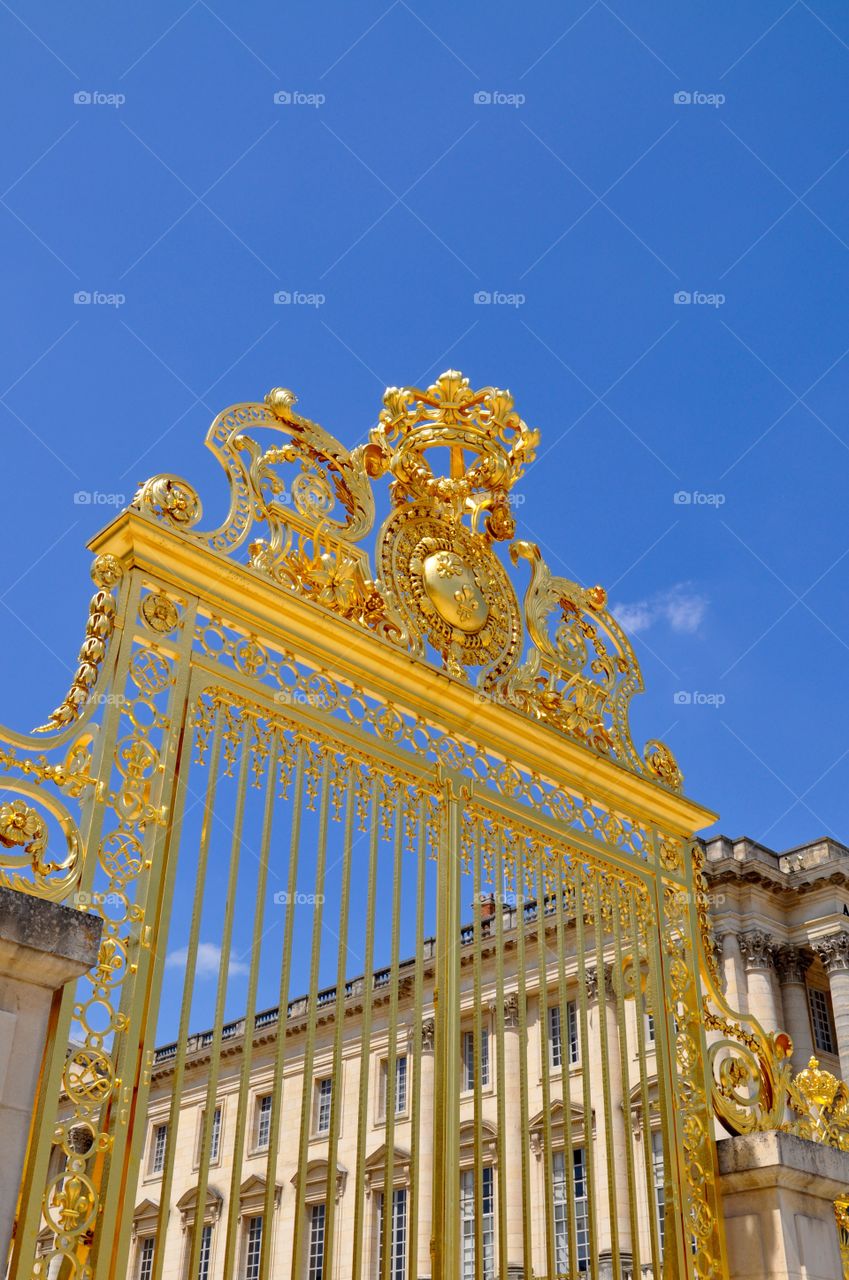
pixel 422 1245
pixel 733 970
pixel 512 1174
pixel 42 947
pixel 833 950
pixel 791 963
pixel 758 950
pixel 602 1005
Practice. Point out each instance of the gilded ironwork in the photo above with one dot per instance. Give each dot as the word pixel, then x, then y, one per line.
pixel 406 696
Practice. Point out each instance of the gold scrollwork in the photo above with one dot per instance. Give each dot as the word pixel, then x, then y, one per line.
pixel 24 836
pixel 106 572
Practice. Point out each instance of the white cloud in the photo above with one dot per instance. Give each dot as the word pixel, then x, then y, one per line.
pixel 681 607
pixel 208 961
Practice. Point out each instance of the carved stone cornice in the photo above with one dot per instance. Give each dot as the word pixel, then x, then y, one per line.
pixel 757 949
pixel 791 963
pixel 833 950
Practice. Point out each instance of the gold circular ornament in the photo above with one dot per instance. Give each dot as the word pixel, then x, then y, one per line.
pixel 451 589
pixel 159 613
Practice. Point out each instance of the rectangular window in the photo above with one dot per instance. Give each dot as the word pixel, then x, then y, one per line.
pixel 555 1034
pixel 659 1189
pixel 648 1021
pixel 145 1267
pixel 263 1121
pixel 469 1060
pixel 400 1086
pixel 215 1144
pixel 324 1093
pixel 253 1248
pixel 398 1248
pixel 580 1213
pixel 157 1150
pixel 467 1224
pixel 315 1258
pixel 822 1021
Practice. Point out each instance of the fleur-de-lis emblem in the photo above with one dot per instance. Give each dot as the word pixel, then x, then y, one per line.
pixel 467 603
pixel 73 1203
pixel 447 565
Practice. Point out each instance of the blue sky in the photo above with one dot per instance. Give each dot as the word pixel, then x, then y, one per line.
pixel 422 156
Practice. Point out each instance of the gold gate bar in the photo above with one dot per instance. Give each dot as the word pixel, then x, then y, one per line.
pixel 499 877
pixel 283 1007
pixel 188 993
pixel 159 898
pixel 445 1238
pixel 559 859
pixel 392 1045
pixel 246 727
pixel 250 1009
pixel 637 941
pixel 477 1048
pixel 622 1025
pixel 547 1217
pixel 522 995
pixel 365 1035
pixel 605 1072
pixel 418 1001
pixel 589 1144
pixel 312 1014
pixel 339 1023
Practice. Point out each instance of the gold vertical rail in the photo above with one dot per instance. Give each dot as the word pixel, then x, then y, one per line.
pixel 188 994
pixel 477 1050
pixel 547 1216
pixel 365 1031
pixel 418 1001
pixel 565 1066
pixel 392 1044
pixel 445 1241
pixel 151 970
pixel 339 1026
pixel 312 1016
pixel 524 1119
pixel 500 1073
pixel 644 1089
pixel 221 994
pixel 589 1144
pixel 283 1008
pixel 621 1022
pixel 250 1012
pixel 605 1074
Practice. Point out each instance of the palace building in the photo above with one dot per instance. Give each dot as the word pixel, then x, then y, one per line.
pixel 780 922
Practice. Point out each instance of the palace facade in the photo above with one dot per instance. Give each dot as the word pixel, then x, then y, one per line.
pixel 781 926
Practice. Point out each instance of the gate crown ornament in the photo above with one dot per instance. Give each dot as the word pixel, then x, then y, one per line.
pixel 438 584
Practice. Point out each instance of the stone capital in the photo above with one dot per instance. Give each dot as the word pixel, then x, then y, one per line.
pixel 833 950
pixel 591 981
pixel 791 963
pixel 428 1033
pixel 511 1010
pixel 757 949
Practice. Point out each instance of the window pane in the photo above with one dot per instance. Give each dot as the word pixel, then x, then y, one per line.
pixel 398 1264
pixel 205 1252
pixel 253 1248
pixel 325 1088
pixel 145 1270
pixel 821 1020
pixel 467 1224
pixel 160 1136
pixel 315 1260
pixel 263 1128
pixel 216 1135
pixel 659 1191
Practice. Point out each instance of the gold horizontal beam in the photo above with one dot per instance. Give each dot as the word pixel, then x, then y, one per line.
pixel 244 595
